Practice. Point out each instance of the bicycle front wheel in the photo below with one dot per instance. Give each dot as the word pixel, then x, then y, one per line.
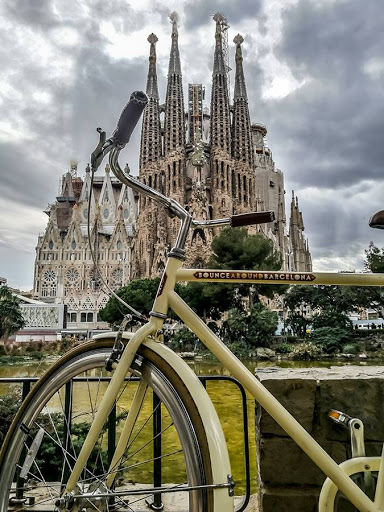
pixel 50 427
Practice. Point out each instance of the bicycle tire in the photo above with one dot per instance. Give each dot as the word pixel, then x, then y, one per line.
pixel 160 377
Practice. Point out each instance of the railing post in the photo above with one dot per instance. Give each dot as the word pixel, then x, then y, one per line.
pixel 111 433
pixel 67 426
pixel 156 502
pixel 20 481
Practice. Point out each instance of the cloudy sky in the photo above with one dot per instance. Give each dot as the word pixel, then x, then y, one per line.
pixel 314 71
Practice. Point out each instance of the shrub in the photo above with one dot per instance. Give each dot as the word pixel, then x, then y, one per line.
pixel 184 339
pixel 9 405
pixel 330 339
pixel 305 351
pixel 255 329
pixel 350 348
pixel 284 348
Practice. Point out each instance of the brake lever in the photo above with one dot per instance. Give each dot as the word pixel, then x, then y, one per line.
pixel 102 148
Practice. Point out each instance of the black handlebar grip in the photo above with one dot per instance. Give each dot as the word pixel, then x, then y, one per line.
pixel 247 219
pixel 377 220
pixel 129 118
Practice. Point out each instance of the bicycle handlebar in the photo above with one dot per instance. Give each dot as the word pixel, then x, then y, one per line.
pixel 128 119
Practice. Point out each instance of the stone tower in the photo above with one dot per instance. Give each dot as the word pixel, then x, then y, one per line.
pixel 300 257
pixel 215 164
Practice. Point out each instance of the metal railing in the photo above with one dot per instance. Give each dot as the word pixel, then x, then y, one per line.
pixel 154 502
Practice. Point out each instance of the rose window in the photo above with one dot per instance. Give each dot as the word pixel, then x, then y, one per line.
pixel 49 276
pixel 117 275
pixel 72 275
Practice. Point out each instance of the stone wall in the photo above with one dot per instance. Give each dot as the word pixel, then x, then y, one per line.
pixel 288 480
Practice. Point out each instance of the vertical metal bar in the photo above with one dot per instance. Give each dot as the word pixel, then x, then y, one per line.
pixel 20 481
pixel 247 466
pixel 67 427
pixel 157 501
pixel 111 433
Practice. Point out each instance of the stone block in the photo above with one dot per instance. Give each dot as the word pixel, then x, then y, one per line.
pixel 360 398
pixel 288 479
pixel 288 500
pixel 282 463
pixel 297 395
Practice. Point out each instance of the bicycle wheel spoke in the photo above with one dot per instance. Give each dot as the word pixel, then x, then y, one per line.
pixel 64 421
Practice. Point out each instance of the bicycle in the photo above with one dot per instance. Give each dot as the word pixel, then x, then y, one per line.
pixel 88 480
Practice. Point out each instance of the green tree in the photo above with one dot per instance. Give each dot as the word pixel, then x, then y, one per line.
pixel 255 329
pixel 11 318
pixel 317 297
pixel 374 258
pixel 369 296
pixel 209 300
pixel 297 322
pixel 330 304
pixel 232 249
pixel 331 319
pixel 262 325
pixel 139 293
pixel 236 249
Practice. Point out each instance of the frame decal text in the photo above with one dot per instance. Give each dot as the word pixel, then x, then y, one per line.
pixel 260 276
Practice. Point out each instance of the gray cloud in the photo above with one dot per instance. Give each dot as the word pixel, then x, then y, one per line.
pixel 199 13
pixel 325 135
pixel 38 14
pixel 329 130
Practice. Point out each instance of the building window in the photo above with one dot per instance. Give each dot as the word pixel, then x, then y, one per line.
pixel 49 276
pixel 86 317
pixel 72 317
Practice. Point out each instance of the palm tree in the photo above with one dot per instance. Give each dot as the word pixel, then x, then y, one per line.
pixel 11 319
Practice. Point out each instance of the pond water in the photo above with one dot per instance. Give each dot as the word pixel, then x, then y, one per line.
pixel 225 396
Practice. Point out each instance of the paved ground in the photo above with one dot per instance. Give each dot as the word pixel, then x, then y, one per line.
pixel 177 503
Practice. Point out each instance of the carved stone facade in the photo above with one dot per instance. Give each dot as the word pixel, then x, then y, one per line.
pixel 64 269
pixel 215 164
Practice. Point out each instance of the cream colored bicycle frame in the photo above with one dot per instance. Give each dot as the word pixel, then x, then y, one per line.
pixel 168 298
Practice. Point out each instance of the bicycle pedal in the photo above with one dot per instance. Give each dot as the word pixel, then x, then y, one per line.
pixel 339 417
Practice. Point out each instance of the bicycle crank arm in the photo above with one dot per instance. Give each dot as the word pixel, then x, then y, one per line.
pixel 31 455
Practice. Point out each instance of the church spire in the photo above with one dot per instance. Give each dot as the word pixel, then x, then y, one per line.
pixel 220 113
pixel 152 90
pixel 241 127
pixel 174 125
pixel 150 149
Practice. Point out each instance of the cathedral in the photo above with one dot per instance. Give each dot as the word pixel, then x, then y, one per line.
pixel 213 160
